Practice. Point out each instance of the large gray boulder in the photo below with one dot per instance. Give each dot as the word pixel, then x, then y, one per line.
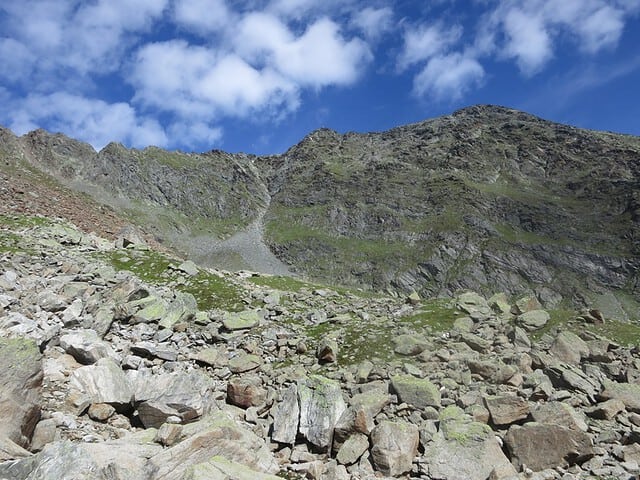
pixel 214 437
pixel 418 392
pixel 161 396
pixel 103 382
pixel 286 417
pixel 20 382
pixel 85 346
pixel 506 409
pixel 465 450
pixel 321 405
pixel 394 445
pixel 540 446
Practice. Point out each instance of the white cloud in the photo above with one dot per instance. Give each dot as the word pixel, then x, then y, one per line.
pixel 91 120
pixel 191 133
pixel 601 29
pixel 528 41
pixel 529 31
pixel 425 41
pixel 319 57
pixel 373 22
pixel 17 60
pixel 448 77
pixel 204 16
pixel 193 81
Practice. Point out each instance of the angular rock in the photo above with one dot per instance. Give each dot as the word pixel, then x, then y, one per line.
pixel 559 413
pixel 168 434
pixel 219 468
pixel 103 382
pixel 506 409
pixel 475 342
pixel 540 446
pixel 208 356
pixel 573 378
pixel 161 396
pixel 215 436
pixel 44 433
pixel 20 382
pixel 321 405
pixel 418 392
pixel 606 410
pixel 286 416
pixel 533 319
pixel 189 268
pixel 246 392
pixel 353 448
pixel 569 348
pixel 154 309
pixel 409 345
pixel 153 414
pixel 85 346
pixel 628 393
pixel 492 370
pixel 244 363
pixel 242 320
pixel 472 459
pixel 394 445
pixel 182 309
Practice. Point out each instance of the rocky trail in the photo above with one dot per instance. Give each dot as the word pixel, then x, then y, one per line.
pixel 127 363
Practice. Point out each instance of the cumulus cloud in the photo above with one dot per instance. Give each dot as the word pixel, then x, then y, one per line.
pixel 529 31
pixel 203 16
pixel 527 41
pixel 95 121
pixel 425 41
pixel 373 22
pixel 448 77
pixel 193 81
pixel 317 58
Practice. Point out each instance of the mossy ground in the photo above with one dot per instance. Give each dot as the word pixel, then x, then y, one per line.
pixel 210 290
pixel 623 333
pixel 372 339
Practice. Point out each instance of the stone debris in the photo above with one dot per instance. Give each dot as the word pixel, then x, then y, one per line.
pixel 107 376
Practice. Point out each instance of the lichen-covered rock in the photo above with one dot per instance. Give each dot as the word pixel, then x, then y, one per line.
pixel 540 446
pixel 393 446
pixel 533 319
pixel 20 382
pixel 286 416
pixel 85 346
pixel 103 382
pixel 321 405
pixel 506 409
pixel 628 393
pixel 246 391
pixel 418 392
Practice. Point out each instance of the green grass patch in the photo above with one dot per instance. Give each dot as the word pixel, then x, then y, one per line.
pixel 623 333
pixel 14 222
pixel 209 290
pixel 436 315
pixel 283 283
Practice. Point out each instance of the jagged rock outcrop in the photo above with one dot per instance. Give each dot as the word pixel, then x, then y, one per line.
pixel 487 199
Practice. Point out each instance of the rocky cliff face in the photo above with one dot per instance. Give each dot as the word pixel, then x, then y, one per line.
pixel 488 198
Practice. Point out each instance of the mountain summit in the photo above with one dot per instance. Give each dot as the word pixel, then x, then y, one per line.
pixel 487 198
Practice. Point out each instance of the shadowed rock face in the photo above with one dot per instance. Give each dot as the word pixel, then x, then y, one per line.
pixel 487 198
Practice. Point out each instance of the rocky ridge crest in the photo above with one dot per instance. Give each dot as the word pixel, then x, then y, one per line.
pixel 487 199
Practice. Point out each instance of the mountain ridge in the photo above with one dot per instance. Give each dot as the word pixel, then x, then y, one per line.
pixel 487 198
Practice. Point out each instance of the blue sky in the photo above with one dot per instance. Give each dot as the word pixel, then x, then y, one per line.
pixel 257 75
